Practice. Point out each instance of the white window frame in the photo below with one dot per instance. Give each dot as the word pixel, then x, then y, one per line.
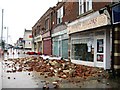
pixel 81 7
pixel 47 24
pixel 88 5
pixel 59 15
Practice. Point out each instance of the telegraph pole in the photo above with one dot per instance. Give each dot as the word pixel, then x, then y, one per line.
pixel 2 30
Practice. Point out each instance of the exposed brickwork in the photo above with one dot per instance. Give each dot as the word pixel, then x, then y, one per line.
pixel 71 12
pixel 99 5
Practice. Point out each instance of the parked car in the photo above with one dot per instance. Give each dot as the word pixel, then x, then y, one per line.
pixel 33 53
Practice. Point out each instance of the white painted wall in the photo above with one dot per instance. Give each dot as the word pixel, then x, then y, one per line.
pixel 28 41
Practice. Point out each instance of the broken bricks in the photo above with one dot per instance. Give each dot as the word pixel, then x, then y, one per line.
pixel 60 68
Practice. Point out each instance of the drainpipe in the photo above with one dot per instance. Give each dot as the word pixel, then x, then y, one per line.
pixel 113 38
pixel 69 48
pixel 2 31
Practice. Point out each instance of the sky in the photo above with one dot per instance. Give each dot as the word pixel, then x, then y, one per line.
pixel 20 15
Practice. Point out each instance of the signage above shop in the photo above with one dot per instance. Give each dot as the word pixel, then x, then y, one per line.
pixel 59 33
pixel 78 26
pixel 38 38
pixel 47 34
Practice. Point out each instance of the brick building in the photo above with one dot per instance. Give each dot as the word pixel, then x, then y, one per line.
pixel 79 31
pixel 41 33
pixel 89 35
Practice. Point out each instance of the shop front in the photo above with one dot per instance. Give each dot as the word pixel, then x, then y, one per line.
pixel 47 45
pixel 90 41
pixel 60 41
pixel 38 43
pixel 60 44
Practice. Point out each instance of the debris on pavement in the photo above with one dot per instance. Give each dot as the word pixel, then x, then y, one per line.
pixel 56 68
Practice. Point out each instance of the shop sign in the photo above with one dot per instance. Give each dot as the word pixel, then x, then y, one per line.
pixel 98 21
pixel 47 34
pixel 59 33
pixel 38 38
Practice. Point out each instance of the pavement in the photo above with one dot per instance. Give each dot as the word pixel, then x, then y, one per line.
pixel 27 78
pixel 0 75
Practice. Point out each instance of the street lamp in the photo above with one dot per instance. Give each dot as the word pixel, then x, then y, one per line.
pixel 2 31
pixel 7 35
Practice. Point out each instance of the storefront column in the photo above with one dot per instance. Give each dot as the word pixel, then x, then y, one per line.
pixel 42 46
pixel 117 49
pixel 107 63
pixel 69 47
pixel 37 47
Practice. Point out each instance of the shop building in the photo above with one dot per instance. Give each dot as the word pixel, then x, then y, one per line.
pixel 42 33
pixel 27 39
pixel 47 46
pixel 37 38
pixel 64 12
pixel 60 42
pixel 89 40
pixel 38 43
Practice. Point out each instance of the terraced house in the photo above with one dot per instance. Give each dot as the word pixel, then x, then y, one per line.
pixel 42 34
pixel 90 35
pixel 80 31
pixel 64 12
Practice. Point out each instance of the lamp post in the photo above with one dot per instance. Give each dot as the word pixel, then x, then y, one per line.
pixel 2 31
pixel 7 35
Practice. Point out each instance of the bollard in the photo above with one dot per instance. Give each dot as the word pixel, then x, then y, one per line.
pixel 18 53
pixel 7 53
pixel 2 53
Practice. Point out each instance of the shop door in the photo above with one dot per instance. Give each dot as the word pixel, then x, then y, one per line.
pixel 100 52
pixel 60 48
pixel 55 48
pixel 65 48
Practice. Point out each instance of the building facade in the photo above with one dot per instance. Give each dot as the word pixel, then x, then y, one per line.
pixel 42 34
pixel 80 31
pixel 89 36
pixel 27 39
pixel 90 41
pixel 64 12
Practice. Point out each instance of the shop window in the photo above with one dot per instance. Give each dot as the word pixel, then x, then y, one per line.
pixel 82 50
pixel 100 46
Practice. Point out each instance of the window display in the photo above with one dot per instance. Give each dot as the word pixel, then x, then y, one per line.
pixel 100 45
pixel 100 57
pixel 82 49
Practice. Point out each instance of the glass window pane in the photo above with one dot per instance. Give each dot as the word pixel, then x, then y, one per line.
pixel 82 49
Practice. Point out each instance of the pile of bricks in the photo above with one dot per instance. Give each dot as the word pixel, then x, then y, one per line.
pixel 60 68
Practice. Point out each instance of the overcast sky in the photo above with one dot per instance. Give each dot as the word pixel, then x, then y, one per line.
pixel 21 14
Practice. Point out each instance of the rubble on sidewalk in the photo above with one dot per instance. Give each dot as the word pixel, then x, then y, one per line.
pixel 59 68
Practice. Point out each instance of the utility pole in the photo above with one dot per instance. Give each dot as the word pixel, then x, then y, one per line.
pixel 2 30
pixel 7 37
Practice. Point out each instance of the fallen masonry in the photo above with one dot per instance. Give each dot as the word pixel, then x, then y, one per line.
pixel 59 68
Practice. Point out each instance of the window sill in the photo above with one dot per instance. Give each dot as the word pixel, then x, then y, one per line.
pixel 86 13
